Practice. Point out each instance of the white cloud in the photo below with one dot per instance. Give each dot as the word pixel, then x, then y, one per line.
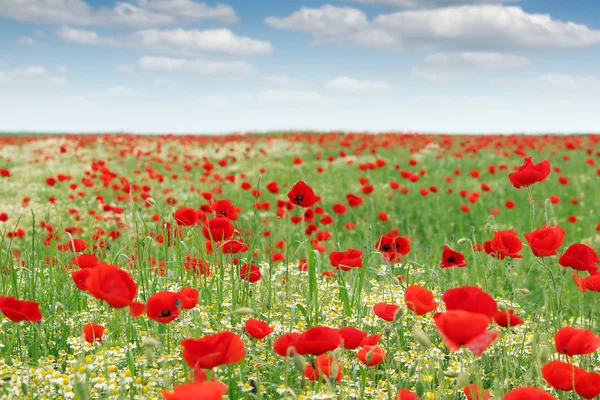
pixel 469 27
pixel 429 3
pixel 26 41
pixel 570 81
pixel 198 41
pixel 144 13
pixel 204 67
pixel 33 75
pixel 327 23
pixel 61 69
pixel 125 68
pixel 80 36
pixel 187 42
pixel 30 72
pixel 289 97
pixel 433 74
pixel 351 85
pixel 476 59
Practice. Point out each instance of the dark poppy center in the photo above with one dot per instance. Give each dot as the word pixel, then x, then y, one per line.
pixel 565 351
pixel 298 198
pixel 165 313
pixel 451 259
pixel 386 247
pixel 224 213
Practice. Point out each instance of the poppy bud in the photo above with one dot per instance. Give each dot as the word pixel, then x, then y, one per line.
pixel 543 355
pixel 463 379
pixel 242 311
pixel 421 337
pixel 522 291
pixel 150 342
pixel 488 228
pixel 299 363
pixel 369 356
pixel 450 373
pixel 462 240
pixel 151 201
pixel 60 306
pixel 398 314
pixel 502 306
pixel 337 353
pixel 420 388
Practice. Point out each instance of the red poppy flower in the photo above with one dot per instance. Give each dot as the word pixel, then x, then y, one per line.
pixel 462 328
pixel 346 260
pixel 80 277
pixel 560 375
pixel 319 340
pixel 385 311
pixel 302 195
pixel 288 344
pixel 587 384
pixel 111 284
pixel 371 355
pixel 528 393
pixel 213 350
pixel 504 244
pixel 188 297
pixel 20 310
pixel 530 173
pixel 272 187
pixel 339 208
pixel 217 229
pixel 572 341
pixel 85 261
pixel 93 332
pixel 323 368
pixel 354 200
pixel 258 329
pixel 474 392
pixel 545 241
pixel 74 245
pixel 405 394
pixel 592 282
pixel 507 318
pixel 224 209
pixel 163 307
pixel 451 258
pixel 580 257
pixel 419 300
pixel 470 298
pixel 186 216
pixel 371 340
pixel 207 390
pixel 351 337
pixel 250 273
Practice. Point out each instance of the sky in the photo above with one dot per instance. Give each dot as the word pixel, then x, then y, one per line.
pixel 190 66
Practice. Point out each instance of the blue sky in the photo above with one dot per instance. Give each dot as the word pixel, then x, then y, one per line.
pixel 190 66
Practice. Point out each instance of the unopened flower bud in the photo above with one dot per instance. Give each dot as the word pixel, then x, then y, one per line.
pixel 502 306
pixel 463 379
pixel 462 240
pixel 450 373
pixel 242 311
pixel 299 363
pixel 522 291
pixel 421 337
pixel 420 388
pixel 398 314
pixel 543 355
pixel 150 342
pixel 60 306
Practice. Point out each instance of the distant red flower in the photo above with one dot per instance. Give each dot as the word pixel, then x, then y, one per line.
pixel 20 310
pixel 250 273
pixel 319 340
pixel 258 329
pixel 419 300
pixel 217 229
pixel 574 341
pixel 385 311
pixel 462 328
pixel 354 200
pixel 504 244
pixel 163 307
pixel 346 260
pixel 507 318
pixel 451 258
pixel 474 392
pixel 224 209
pixel 405 394
pixel 530 173
pixel 186 216
pixel 339 208
pixel 371 355
pixel 213 350
pixel 93 332
pixel 302 195
pixel 581 258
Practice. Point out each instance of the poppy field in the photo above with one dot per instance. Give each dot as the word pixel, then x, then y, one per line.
pixel 300 266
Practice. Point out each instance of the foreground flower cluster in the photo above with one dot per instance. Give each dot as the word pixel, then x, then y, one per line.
pixel 159 270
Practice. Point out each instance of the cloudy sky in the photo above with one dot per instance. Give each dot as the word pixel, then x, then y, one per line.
pixel 238 65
